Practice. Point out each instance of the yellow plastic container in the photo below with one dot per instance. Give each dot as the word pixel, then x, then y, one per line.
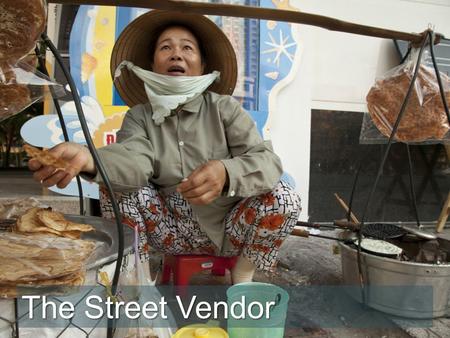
pixel 200 331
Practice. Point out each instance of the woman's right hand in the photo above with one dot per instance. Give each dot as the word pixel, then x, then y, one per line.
pixel 78 157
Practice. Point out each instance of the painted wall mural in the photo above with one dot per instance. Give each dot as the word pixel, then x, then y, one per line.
pixel 266 53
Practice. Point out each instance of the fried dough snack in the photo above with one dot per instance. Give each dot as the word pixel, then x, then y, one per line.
pixel 44 157
pixel 424 117
pixel 25 258
pixel 55 220
pixel 48 221
pixel 13 98
pixel 22 22
pixel 44 250
pixel 13 290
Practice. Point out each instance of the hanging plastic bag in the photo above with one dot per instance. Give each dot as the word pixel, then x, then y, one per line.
pixel 13 209
pixel 41 263
pixel 22 23
pixel 21 85
pixel 136 284
pixel 424 119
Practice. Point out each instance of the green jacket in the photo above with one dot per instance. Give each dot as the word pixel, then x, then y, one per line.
pixel 210 127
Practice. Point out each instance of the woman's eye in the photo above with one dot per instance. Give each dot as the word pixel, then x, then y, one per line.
pixel 188 47
pixel 165 47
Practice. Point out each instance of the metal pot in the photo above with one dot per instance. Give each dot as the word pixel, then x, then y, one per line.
pixel 405 289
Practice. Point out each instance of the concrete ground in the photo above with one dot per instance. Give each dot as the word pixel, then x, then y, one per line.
pixel 308 266
pixel 304 263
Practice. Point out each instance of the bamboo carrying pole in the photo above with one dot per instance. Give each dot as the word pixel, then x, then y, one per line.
pixel 345 206
pixel 259 13
pixel 444 215
pixel 265 14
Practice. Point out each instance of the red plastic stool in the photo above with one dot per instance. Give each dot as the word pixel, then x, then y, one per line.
pixel 185 266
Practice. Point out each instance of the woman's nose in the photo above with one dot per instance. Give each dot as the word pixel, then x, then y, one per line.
pixel 176 54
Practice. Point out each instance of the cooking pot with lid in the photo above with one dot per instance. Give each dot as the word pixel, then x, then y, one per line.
pixel 406 289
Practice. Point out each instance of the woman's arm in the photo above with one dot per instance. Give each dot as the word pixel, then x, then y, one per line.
pixel 254 168
pixel 129 162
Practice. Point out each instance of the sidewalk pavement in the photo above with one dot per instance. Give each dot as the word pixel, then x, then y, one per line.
pixel 303 262
pixel 311 264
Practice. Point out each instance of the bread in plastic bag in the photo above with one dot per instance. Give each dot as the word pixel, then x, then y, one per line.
pixel 424 118
pixel 21 85
pixel 41 264
pixel 135 277
pixel 43 250
pixel 13 209
pixel 22 23
pixel 27 257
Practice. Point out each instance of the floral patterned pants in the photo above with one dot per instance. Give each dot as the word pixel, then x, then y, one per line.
pixel 255 226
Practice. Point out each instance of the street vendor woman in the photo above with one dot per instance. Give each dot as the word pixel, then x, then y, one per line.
pixel 189 167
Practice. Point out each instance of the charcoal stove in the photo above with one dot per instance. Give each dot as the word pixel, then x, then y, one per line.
pixel 397 286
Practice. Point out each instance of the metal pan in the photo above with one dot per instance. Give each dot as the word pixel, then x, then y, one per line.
pixel 105 234
pixel 374 246
pixel 390 231
pixel 382 231
pixel 380 247
pixel 374 230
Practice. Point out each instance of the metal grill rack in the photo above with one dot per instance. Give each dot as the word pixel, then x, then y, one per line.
pixel 14 324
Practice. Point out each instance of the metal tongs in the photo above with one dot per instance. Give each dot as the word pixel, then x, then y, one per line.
pixel 373 230
pixel 337 224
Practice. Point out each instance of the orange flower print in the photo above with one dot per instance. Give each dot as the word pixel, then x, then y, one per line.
pixel 268 199
pixel 129 222
pixel 164 211
pixel 236 243
pixel 168 241
pixel 145 247
pixel 250 215
pixel 153 209
pixel 239 212
pixel 269 224
pixel 161 200
pixel 278 242
pixel 260 247
pixel 151 225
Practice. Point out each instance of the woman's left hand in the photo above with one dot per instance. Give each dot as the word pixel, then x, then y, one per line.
pixel 205 183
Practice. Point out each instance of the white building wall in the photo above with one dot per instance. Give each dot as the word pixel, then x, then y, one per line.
pixel 336 70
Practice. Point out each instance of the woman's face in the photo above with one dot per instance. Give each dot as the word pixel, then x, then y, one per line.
pixel 177 53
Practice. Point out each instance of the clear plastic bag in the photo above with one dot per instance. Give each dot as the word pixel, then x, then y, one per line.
pixel 424 119
pixel 42 250
pixel 21 85
pixel 11 210
pixel 23 22
pixel 134 276
pixel 41 261
pixel 136 284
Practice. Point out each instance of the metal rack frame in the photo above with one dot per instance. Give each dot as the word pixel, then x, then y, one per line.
pixel 99 166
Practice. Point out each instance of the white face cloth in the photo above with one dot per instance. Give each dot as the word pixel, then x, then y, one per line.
pixel 166 92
